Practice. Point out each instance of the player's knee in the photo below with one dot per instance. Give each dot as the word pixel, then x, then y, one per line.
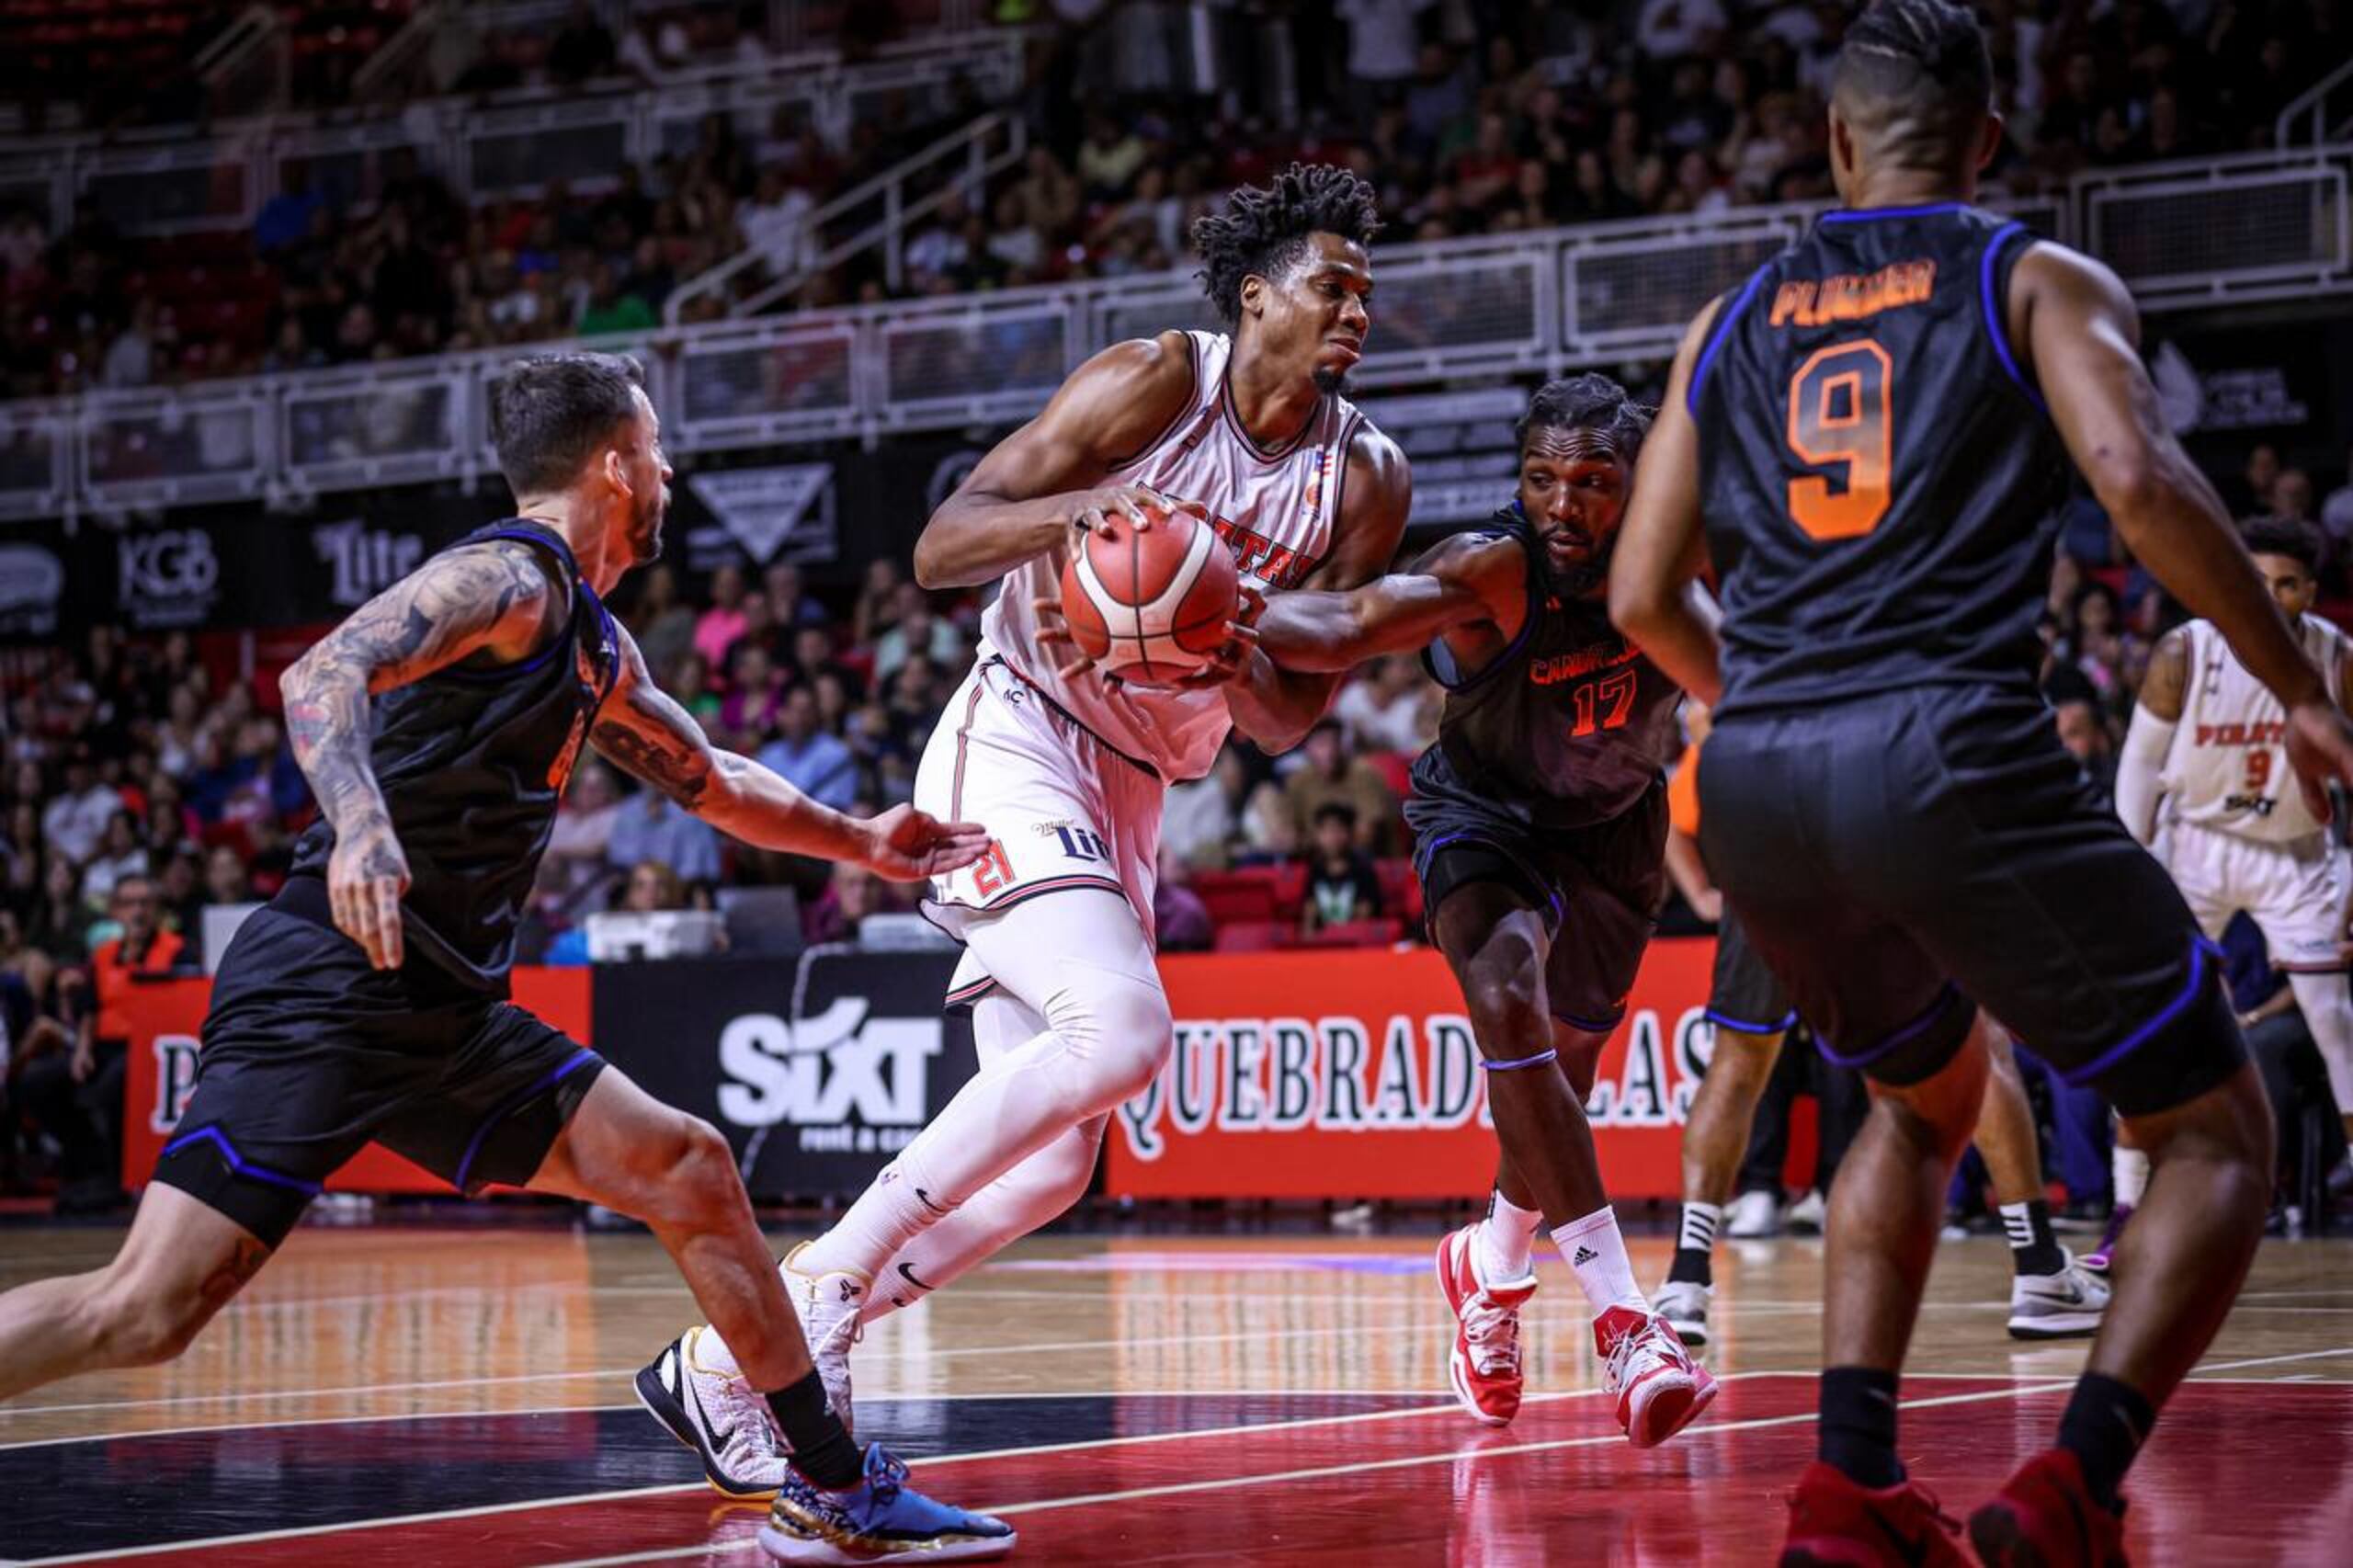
pixel 685 1173
pixel 1120 1025
pixel 1505 996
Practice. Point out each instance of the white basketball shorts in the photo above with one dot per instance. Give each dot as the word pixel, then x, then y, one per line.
pixel 2296 893
pixel 1062 809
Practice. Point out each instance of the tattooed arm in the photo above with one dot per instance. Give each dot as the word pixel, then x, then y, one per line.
pixel 642 730
pixel 497 596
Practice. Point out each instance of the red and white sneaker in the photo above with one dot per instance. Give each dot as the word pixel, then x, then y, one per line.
pixel 1837 1523
pixel 1659 1389
pixel 1483 1366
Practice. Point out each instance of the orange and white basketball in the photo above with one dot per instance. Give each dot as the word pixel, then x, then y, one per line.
pixel 1152 607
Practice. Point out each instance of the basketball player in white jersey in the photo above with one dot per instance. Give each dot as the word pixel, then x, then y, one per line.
pixel 2204 782
pixel 1067 769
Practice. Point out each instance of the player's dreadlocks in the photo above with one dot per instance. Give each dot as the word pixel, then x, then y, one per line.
pixel 1914 76
pixel 1264 229
pixel 2291 537
pixel 1587 403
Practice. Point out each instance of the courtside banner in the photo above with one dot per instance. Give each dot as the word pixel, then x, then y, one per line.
pixel 1354 1074
pixel 164 1015
pixel 817 1069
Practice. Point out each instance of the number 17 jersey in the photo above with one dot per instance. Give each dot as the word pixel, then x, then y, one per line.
pixel 1880 481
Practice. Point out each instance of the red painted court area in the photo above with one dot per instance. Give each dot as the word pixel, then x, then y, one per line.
pixel 2240 1472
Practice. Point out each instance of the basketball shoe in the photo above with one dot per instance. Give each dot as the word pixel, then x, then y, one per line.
pixel 1837 1523
pixel 1485 1363
pixel 1659 1389
pixel 2096 1260
pixel 882 1519
pixel 1684 1304
pixel 718 1416
pixel 2057 1306
pixel 829 1305
pixel 2045 1514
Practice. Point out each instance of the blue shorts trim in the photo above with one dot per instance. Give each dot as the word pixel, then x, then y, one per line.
pixel 2200 948
pixel 579 1059
pixel 1744 1025
pixel 1909 1032
pixel 250 1170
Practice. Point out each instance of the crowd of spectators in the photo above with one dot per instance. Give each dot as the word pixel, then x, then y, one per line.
pixel 1469 116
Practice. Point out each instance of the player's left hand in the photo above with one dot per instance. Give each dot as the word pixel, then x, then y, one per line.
pixel 1054 629
pixel 1233 656
pixel 2320 750
pixel 904 845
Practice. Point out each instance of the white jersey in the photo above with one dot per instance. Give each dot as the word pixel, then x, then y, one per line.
pixel 1276 510
pixel 2227 767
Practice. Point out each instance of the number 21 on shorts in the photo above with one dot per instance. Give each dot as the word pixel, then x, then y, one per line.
pixel 1839 414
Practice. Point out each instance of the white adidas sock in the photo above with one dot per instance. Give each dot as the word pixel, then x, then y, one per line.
pixel 1596 1253
pixel 1507 1240
pixel 2129 1174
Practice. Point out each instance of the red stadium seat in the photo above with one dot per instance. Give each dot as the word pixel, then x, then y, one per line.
pixel 1400 890
pixel 1252 935
pixel 1382 932
pixel 1236 895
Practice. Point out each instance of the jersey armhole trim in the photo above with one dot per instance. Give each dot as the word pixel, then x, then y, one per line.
pixel 551 544
pixel 1992 306
pixel 1184 410
pixel 1716 337
pixel 1487 671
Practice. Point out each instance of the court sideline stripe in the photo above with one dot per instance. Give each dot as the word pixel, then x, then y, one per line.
pixel 137 1432
pixel 919 1357
pixel 1183 1488
pixel 2020 1390
pixel 933 1463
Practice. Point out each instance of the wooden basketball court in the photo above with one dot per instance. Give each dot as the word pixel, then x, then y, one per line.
pixel 461 1396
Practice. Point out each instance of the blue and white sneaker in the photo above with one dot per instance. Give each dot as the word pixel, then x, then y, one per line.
pixel 880 1519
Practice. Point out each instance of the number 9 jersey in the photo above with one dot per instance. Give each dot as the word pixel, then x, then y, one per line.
pixel 1880 483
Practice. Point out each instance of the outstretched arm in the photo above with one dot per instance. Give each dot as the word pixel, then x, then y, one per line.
pixel 1661 548
pixel 1462 581
pixel 2083 334
pixel 495 595
pixel 642 729
pixel 1044 481
pixel 1276 707
pixel 2150 735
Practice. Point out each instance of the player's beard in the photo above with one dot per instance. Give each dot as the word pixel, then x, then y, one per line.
pixel 1330 382
pixel 645 534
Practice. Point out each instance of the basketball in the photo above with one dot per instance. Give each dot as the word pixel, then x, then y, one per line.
pixel 1151 606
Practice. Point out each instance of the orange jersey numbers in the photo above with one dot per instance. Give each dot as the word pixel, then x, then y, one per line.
pixel 1617 689
pixel 1840 415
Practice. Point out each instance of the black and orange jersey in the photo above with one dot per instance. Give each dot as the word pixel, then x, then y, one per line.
pixel 1568 726
pixel 471 763
pixel 1880 480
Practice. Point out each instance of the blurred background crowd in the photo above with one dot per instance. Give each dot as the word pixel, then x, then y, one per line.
pixel 1470 117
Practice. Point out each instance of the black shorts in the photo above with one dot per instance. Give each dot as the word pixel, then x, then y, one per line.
pixel 1744 993
pixel 308 1054
pixel 1600 888
pixel 1901 860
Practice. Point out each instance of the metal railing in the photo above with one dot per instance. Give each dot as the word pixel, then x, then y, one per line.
pixel 983 148
pixel 164 181
pixel 2306 120
pixel 2255 227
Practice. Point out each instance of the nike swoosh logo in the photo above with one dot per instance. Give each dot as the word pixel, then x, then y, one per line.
pixel 719 1440
pixel 909 1275
pixel 924 1198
